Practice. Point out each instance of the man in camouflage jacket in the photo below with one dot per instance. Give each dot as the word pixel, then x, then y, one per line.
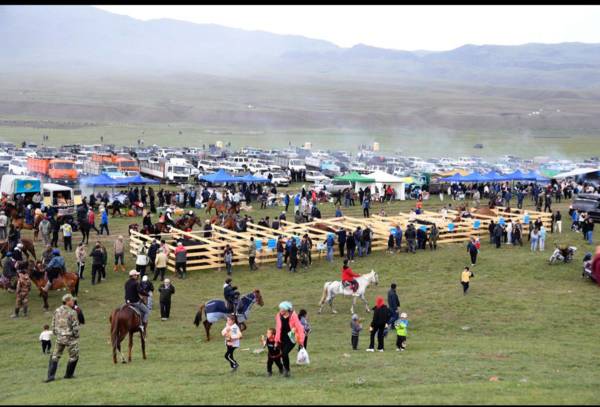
pixel 23 289
pixel 65 326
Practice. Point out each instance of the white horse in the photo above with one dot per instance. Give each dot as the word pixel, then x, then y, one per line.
pixel 333 288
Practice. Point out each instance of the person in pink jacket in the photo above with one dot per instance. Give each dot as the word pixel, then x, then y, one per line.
pixel 286 322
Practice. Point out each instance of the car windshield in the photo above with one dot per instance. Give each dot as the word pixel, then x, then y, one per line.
pixel 62 166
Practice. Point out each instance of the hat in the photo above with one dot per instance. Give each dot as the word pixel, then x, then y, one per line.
pixel 8 254
pixel 393 285
pixel 56 252
pixel 286 306
pixel 355 317
pixel 166 280
pixel 67 297
pixel 133 273
pixel 20 245
pixel 145 278
pixel 403 315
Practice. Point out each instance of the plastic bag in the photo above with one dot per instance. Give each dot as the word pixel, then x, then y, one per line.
pixel 302 358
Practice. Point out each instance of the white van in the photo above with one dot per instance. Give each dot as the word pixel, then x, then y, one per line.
pixel 18 166
pixel 61 197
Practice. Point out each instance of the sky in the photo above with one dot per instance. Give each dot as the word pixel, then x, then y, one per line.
pixel 433 28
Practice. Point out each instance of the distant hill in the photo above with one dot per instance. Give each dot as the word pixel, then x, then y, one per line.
pixel 83 39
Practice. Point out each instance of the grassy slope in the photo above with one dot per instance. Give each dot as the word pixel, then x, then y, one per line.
pixel 532 325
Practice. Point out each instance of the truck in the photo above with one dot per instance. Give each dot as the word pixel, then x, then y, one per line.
pixel 165 170
pixel 53 169
pixel 12 185
pixel 63 198
pixel 122 162
pixel 589 203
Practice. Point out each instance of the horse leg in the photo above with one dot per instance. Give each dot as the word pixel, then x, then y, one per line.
pixel 362 297
pixel 353 304
pixel 333 311
pixel 143 346
pixel 207 329
pixel 130 346
pixel 44 295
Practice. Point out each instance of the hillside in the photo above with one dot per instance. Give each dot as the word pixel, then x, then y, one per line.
pixel 86 39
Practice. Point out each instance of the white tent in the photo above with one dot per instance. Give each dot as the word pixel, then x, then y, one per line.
pixel 575 172
pixel 381 178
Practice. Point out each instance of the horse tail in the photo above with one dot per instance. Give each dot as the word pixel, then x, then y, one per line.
pixel 324 296
pixel 198 317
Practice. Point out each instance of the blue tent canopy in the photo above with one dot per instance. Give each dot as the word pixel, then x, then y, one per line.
pixel 536 176
pixel 102 180
pixel 453 178
pixel 138 179
pixel 219 176
pixel 518 176
pixel 252 178
pixel 473 177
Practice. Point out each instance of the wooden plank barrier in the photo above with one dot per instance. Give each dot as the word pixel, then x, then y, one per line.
pixel 204 253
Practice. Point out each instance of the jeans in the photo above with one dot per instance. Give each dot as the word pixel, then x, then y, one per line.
pixel 228 268
pixel 366 248
pixel 96 270
pixel 534 242
pixel 140 306
pixel 360 249
pixel 541 243
pixel 590 233
pixel 279 260
pixel 150 302
pixel 330 253
pixel 104 226
pixel 351 251
pixel 159 271
pixel 80 267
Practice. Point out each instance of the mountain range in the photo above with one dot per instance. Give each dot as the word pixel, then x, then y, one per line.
pixel 84 39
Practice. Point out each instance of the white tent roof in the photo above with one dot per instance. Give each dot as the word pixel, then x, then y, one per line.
pixel 576 172
pixel 384 177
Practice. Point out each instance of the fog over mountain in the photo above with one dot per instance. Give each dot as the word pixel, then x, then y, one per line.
pixel 83 39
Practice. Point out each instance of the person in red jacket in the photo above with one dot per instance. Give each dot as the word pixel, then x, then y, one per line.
pixel 349 277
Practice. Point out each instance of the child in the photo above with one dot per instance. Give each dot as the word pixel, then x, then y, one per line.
pixel 304 321
pixel 274 352
pixel 45 338
pixel 401 324
pixel 232 335
pixel 391 239
pixel 356 327
pixel 465 277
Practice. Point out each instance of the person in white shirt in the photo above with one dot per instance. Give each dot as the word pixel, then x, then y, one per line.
pixel 3 225
pixel 46 339
pixel 232 334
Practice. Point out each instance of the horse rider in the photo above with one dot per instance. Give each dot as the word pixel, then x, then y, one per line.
pixel 18 252
pixel 9 269
pixel 14 235
pixel 349 277
pixel 132 297
pixel 47 255
pixel 231 296
pixel 169 217
pixel 65 326
pixel 147 222
pixel 55 266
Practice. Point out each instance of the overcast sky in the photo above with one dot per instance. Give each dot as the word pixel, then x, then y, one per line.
pixel 400 27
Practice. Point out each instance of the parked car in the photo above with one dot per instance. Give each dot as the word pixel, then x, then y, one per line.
pixel 279 178
pixel 589 203
pixel 18 166
pixel 315 176
pixel 332 185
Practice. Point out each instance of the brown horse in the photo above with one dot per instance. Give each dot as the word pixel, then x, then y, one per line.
pixel 229 222
pixel 186 223
pixel 485 211
pixel 325 227
pixel 28 248
pixel 67 280
pixel 36 226
pixel 125 321
pixel 218 206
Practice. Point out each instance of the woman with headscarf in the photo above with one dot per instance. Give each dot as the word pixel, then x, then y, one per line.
pixel 289 331
pixel 381 315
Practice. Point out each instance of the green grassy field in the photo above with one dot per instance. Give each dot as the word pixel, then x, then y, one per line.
pixel 531 325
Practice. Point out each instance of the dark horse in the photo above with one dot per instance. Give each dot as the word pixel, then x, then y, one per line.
pixel 28 248
pixel 125 321
pixel 67 280
pixel 215 310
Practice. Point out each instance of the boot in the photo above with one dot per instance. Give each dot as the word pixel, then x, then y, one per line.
pixel 71 369
pixel 122 268
pixel 52 366
pixel 25 310
pixel 115 269
pixel 47 286
pixel 15 314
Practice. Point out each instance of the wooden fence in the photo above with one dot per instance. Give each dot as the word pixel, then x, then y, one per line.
pixel 207 252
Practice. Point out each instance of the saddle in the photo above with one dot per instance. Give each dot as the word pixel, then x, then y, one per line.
pixel 133 308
